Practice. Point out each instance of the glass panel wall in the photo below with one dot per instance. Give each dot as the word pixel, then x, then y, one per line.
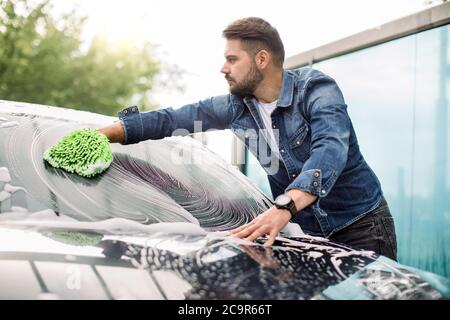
pixel 256 173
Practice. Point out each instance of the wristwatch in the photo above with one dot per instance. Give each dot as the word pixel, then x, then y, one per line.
pixel 283 201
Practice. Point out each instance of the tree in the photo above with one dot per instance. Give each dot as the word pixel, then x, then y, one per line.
pixel 42 61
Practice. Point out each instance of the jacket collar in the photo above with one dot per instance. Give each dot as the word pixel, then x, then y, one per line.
pixel 287 90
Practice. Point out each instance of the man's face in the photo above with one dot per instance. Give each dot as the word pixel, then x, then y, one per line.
pixel 240 69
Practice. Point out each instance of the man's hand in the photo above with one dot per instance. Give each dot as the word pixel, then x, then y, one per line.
pixel 273 220
pixel 270 222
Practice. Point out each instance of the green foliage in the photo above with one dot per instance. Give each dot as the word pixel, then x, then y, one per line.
pixel 42 61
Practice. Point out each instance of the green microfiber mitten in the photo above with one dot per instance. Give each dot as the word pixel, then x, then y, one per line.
pixel 75 238
pixel 85 152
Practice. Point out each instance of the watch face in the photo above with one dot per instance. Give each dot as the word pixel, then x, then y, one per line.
pixel 282 200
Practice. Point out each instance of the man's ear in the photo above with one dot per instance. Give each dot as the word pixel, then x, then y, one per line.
pixel 262 59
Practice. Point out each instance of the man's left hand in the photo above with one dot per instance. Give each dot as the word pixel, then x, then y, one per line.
pixel 270 222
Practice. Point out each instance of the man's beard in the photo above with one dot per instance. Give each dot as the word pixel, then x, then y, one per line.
pixel 249 84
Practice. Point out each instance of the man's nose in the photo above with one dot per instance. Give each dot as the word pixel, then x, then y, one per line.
pixel 225 69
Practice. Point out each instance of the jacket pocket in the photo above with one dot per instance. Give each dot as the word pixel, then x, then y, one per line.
pixel 300 143
pixel 243 132
pixel 297 139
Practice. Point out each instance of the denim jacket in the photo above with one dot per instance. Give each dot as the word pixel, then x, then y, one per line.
pixel 318 148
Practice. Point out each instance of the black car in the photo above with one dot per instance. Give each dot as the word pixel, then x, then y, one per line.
pixel 153 226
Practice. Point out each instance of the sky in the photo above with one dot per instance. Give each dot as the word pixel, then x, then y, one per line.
pixel 188 33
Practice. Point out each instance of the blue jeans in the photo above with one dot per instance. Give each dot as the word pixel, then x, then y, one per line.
pixel 375 232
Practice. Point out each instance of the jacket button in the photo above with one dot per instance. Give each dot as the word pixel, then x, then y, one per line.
pixel 323 191
pixel 294 175
pixel 274 126
pixel 317 174
pixel 315 183
pixel 282 150
pixel 298 142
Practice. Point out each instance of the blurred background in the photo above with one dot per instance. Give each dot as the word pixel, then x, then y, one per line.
pixel 390 58
pixel 102 56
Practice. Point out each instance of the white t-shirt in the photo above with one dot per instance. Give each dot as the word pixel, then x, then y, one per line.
pixel 265 110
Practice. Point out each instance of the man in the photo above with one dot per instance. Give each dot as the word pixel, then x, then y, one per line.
pixel 321 180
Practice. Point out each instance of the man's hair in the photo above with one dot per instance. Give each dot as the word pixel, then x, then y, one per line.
pixel 256 34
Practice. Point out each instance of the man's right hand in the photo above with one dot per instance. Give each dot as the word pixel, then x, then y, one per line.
pixel 114 132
